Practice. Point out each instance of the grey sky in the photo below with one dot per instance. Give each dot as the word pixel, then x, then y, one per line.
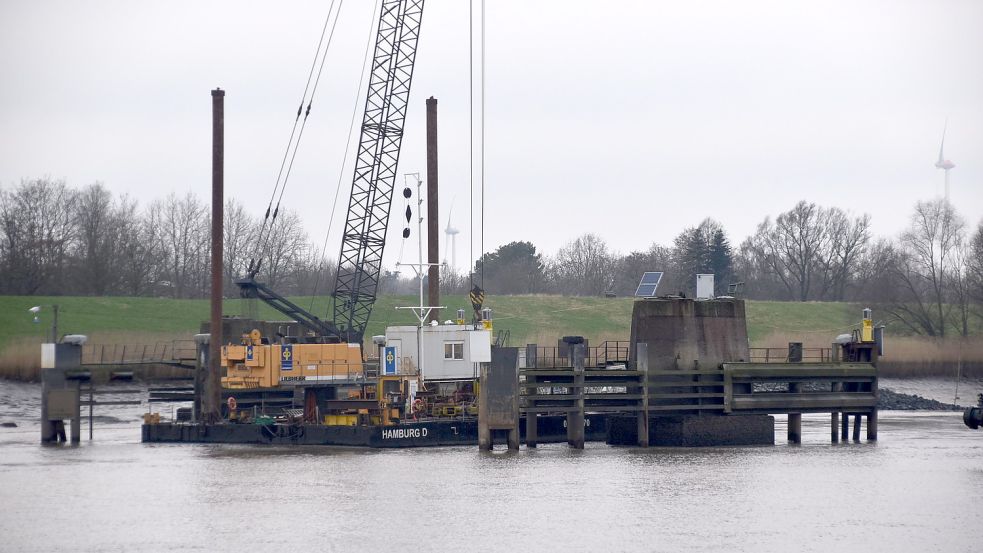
pixel 632 120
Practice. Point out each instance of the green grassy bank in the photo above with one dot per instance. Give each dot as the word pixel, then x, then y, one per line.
pixel 528 318
pixel 539 319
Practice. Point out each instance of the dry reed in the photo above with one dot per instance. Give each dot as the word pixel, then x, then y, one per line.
pixel 906 356
pixel 20 359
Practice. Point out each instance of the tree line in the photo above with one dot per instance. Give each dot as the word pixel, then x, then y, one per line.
pixel 929 278
pixel 59 240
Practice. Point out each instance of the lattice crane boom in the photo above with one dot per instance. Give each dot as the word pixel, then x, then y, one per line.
pixel 386 101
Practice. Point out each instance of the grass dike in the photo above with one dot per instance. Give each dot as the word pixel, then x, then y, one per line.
pixel 541 319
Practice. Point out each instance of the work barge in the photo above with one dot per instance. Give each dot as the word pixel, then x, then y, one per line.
pixel 687 377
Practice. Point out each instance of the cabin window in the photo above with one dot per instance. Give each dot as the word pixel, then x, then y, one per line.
pixel 453 350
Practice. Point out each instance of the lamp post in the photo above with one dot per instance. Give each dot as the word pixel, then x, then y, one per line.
pixel 54 321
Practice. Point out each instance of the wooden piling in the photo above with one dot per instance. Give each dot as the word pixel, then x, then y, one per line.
pixel 642 365
pixel 76 429
pixel 794 419
pixel 856 426
pixel 795 428
pixel 845 422
pixel 872 426
pixel 532 419
pixel 532 429
pixel 575 418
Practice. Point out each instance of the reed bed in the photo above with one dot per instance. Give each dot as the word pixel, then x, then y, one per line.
pixel 906 356
pixel 20 358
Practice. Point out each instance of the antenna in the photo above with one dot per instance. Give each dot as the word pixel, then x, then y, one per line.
pixel 944 163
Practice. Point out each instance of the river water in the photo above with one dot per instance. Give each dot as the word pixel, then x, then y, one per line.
pixel 919 488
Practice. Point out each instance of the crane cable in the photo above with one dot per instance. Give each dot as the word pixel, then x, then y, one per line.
pixel 473 261
pixel 286 152
pixel 263 244
pixel 482 141
pixel 348 143
pixel 471 141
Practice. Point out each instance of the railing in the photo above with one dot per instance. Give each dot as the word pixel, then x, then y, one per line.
pixel 560 390
pixel 747 388
pixel 606 354
pixel 781 355
pixel 800 387
pixel 175 352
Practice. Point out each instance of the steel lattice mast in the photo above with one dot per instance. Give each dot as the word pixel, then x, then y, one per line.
pixel 386 101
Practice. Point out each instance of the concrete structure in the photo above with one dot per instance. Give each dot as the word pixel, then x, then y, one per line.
pixel 60 391
pixel 689 334
pixel 450 352
pixel 498 404
pixel 695 431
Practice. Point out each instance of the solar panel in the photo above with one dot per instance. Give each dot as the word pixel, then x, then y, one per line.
pixel 648 285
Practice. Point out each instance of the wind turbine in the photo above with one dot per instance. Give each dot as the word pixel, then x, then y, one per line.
pixel 451 242
pixel 944 163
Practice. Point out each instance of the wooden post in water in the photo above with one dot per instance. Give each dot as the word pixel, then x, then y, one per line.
pixel 794 419
pixel 575 418
pixel 532 418
pixel 845 433
pixel 872 426
pixel 872 416
pixel 834 419
pixel 856 426
pixel 642 365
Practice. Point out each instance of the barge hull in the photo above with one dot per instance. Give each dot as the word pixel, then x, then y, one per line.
pixel 411 434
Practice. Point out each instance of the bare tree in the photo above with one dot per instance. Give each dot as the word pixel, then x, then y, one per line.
pixel 811 250
pixel 95 250
pixel 38 229
pixel 974 270
pixel 183 230
pixel 924 267
pixel 283 248
pixel 583 266
pixel 239 230
pixel 629 269
pixel 847 243
pixel 141 258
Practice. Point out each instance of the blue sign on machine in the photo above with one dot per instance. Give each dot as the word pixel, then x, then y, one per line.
pixel 390 355
pixel 286 357
pixel 249 353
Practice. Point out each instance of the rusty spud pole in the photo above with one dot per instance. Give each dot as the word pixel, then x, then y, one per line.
pixel 213 384
pixel 433 217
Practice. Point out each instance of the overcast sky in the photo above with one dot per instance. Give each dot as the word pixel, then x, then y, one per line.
pixel 632 120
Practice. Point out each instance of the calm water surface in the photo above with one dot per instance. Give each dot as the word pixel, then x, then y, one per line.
pixel 919 488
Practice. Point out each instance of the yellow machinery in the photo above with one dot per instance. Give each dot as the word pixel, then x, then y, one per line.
pixel 381 400
pixel 254 364
pixel 867 330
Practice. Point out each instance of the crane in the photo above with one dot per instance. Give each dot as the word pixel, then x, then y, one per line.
pixel 364 238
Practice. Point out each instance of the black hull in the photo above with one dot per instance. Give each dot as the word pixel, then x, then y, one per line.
pixel 411 434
